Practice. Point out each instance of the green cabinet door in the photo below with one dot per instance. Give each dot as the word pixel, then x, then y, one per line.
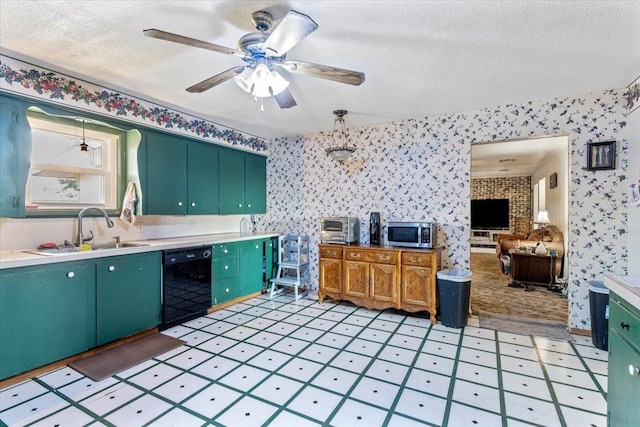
pixel 47 313
pixel 624 383
pixel 231 168
pixel 255 184
pixel 15 156
pixel 128 295
pixel 202 179
pixel 165 186
pixel 251 266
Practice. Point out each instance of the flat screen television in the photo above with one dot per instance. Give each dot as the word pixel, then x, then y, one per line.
pixel 490 213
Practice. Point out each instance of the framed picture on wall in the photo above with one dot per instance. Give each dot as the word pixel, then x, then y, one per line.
pixel 553 180
pixel 601 155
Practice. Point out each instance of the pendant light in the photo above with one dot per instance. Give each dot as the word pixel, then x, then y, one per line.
pixel 83 145
pixel 340 152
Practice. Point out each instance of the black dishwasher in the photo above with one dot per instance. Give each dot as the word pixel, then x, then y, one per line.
pixel 186 285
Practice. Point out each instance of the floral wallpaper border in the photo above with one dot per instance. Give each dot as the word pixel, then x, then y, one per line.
pixel 632 96
pixel 28 79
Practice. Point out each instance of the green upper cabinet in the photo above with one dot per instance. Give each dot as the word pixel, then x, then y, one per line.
pixel 128 290
pixel 166 180
pixel 202 178
pixel 15 156
pixel 180 176
pixel 47 313
pixel 243 178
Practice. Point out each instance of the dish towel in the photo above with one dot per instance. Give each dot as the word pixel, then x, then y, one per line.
pixel 129 204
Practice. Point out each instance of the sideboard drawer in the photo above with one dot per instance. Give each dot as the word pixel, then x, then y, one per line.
pixel 335 253
pixel 416 259
pixel 379 257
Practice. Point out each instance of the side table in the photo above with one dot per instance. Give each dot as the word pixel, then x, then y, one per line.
pixel 532 269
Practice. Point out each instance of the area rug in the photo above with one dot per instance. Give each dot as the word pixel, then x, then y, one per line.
pixel 525 326
pixel 110 361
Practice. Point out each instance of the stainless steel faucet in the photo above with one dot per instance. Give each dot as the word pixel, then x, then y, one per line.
pixel 81 238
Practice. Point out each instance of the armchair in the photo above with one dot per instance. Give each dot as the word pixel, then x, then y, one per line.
pixel 553 239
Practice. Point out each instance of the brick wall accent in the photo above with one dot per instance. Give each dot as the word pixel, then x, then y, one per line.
pixel 517 189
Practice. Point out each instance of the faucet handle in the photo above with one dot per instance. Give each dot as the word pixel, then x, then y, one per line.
pixel 117 239
pixel 88 239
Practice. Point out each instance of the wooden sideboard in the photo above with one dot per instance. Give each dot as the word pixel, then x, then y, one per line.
pixel 379 277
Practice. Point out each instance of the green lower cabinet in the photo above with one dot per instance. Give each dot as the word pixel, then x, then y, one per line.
pixel 128 295
pixel 251 266
pixel 224 290
pixel 47 313
pixel 225 277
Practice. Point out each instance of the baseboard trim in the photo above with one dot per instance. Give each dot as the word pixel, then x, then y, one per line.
pixel 583 332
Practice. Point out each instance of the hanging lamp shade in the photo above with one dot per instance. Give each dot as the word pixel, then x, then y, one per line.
pixel 341 151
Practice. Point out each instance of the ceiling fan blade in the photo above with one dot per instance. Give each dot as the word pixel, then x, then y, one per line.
pixel 293 28
pixel 285 100
pixel 163 35
pixel 215 80
pixel 325 72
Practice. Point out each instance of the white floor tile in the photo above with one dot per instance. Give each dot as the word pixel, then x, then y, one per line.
pixel 597 366
pixel 478 357
pixel 315 403
pixel 111 398
pixel 351 362
pixel 260 323
pixel 519 351
pixel 288 419
pixel 479 396
pixel 85 387
pixel 392 317
pixel 178 418
pixel 298 319
pixel 242 352
pixel 479 344
pixel 374 335
pixel 352 414
pixel 576 417
pixel 282 328
pixel 405 341
pixel 383 325
pixel 313 311
pixel 357 320
pixel 603 380
pixel 333 316
pixel 58 378
pixel 182 387
pixel 438 348
pixel 319 353
pixel 244 378
pixel 247 412
pixel 412 331
pixel 177 331
pixel 154 376
pixel 387 371
pixel 189 358
pixel 592 352
pixel 554 345
pixel 422 406
pixel 375 392
pixel 321 324
pixel 461 415
pixel 199 322
pixel 219 328
pixel 277 389
pixel 240 318
pixel 239 307
pixel 560 359
pixel 335 380
pixel 20 393
pixel 196 337
pixel 264 339
pixel 240 333
pixel 269 359
pixel 400 421
pixel 488 334
pixel 33 410
pixel 574 377
pixel 361 311
pixel 528 386
pixel 532 410
pixel 347 329
pixel 215 367
pixel 139 412
pixel 521 366
pixel 68 417
pixel 523 340
pixel 435 363
pixel 367 348
pixel 217 344
pixel 581 398
pixel 291 308
pixel 446 337
pixel 397 355
pixel 424 322
pixel 300 369
pixel 306 334
pixel 334 340
pixel 428 382
pixel 212 400
pixel 256 311
pixel 477 374
pixel 220 314
pixel 345 307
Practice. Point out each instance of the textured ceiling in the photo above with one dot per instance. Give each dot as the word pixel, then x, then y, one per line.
pixel 421 58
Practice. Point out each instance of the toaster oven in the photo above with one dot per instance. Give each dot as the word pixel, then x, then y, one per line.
pixel 342 230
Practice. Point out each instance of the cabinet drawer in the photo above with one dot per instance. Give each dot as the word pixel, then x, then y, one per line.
pixel 417 259
pixel 225 267
pixel 379 257
pixel 623 321
pixel 335 253
pixel 225 249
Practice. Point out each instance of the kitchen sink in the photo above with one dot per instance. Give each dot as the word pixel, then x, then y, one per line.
pixel 115 245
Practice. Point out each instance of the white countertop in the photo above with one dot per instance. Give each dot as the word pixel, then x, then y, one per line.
pixel 29 257
pixel 626 287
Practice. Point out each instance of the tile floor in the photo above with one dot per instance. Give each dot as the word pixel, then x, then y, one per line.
pixel 286 363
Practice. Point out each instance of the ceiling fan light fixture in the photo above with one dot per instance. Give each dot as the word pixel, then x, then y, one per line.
pixel 341 151
pixel 245 79
pixel 278 83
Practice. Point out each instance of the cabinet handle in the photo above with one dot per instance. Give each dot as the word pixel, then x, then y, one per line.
pixel 193 204
pixel 412 259
pixel 634 370
pixel 385 258
pixel 226 267
pixel 111 268
pixel 331 253
pixel 624 325
pixel 356 255
pixel 239 205
pixel 179 203
pixel 70 274
pixel 225 251
pixel 227 290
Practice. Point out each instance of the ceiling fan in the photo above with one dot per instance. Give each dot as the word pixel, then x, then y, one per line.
pixel 263 52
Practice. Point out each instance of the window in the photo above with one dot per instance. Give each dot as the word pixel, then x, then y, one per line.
pixel 74 163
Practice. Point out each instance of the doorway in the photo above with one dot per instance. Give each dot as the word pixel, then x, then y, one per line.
pixel 532 174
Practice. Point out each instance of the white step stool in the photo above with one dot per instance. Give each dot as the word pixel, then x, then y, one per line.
pixel 293 266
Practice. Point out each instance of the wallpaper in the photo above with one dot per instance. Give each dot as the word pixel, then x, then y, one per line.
pixel 418 169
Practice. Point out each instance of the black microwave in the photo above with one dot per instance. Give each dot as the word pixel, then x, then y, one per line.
pixel 412 234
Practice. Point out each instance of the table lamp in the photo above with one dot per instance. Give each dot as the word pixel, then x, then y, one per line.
pixel 542 218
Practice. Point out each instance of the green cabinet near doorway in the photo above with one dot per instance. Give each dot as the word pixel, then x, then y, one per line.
pixel 47 313
pixel 243 182
pixel 128 295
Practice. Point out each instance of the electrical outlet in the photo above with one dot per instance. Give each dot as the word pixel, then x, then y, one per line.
pixel 139 227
